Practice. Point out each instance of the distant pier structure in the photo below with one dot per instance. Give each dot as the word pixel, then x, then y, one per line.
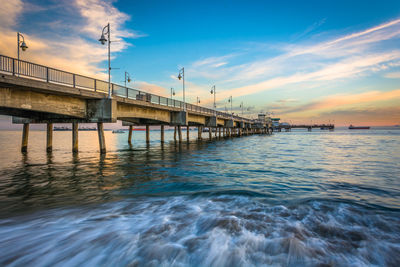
pixel 34 93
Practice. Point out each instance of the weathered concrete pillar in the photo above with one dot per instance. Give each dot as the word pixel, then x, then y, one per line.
pixel 209 133
pixel 188 133
pixel 75 137
pixel 216 131
pixel 175 133
pixel 147 134
pixel 180 133
pixel 162 133
pixel 219 132
pixel 199 130
pixel 102 140
pixel 49 137
pixel 25 135
pixel 130 134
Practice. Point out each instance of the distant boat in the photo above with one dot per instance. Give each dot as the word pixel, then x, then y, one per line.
pixel 118 131
pixel 351 127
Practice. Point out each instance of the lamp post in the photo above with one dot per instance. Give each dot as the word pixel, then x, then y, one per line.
pixel 181 75
pixel 172 92
pixel 241 105
pixel 213 91
pixel 230 100
pixel 22 45
pixel 198 100
pixel 103 40
pixel 127 78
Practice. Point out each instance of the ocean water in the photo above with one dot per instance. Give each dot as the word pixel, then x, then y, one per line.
pixel 290 199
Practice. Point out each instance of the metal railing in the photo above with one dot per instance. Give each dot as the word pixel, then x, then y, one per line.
pixel 31 70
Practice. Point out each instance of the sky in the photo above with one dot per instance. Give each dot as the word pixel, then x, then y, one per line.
pixel 301 61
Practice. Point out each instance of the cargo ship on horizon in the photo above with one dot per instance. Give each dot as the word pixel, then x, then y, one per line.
pixel 352 127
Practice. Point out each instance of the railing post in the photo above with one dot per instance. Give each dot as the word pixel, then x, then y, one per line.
pixel 13 66
pixel 127 94
pixel 95 85
pixel 112 88
pixel 73 80
pixel 47 74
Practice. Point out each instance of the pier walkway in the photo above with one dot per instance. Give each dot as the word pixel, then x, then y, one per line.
pixel 34 93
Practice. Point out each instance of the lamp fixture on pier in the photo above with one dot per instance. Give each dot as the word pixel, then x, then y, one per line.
pixel 230 101
pixel 213 91
pixel 198 100
pixel 241 106
pixel 172 92
pixel 103 40
pixel 181 76
pixel 127 78
pixel 22 45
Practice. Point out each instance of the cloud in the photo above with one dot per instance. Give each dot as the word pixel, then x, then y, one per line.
pixel 346 57
pixel 393 75
pixel 64 45
pixel 339 100
pixel 9 11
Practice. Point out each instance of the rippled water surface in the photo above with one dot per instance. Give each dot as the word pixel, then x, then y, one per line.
pixel 290 199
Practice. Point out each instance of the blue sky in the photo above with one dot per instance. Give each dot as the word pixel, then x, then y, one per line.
pixel 302 60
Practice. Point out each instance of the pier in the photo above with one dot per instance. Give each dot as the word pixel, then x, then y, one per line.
pixel 33 93
pixel 309 127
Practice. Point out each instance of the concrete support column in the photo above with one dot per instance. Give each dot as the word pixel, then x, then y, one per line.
pixel 199 130
pixel 219 132
pixel 25 135
pixel 102 140
pixel 49 137
pixel 188 133
pixel 147 134
pixel 130 134
pixel 180 133
pixel 162 133
pixel 75 137
pixel 175 133
pixel 210 133
pixel 216 132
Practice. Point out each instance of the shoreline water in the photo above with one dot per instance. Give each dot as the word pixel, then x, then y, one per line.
pixel 296 198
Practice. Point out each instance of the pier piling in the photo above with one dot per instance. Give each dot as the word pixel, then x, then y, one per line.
pixel 179 133
pixel 209 133
pixel 199 132
pixel 162 133
pixel 25 135
pixel 102 141
pixel 187 133
pixel 75 137
pixel 49 137
pixel 130 134
pixel 175 133
pixel 147 134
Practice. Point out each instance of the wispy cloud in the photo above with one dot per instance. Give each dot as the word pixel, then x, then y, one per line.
pixel 349 56
pixel 71 47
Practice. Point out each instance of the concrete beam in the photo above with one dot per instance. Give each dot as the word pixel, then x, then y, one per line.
pixel 13 101
pixel 179 118
pixel 195 120
pixel 132 112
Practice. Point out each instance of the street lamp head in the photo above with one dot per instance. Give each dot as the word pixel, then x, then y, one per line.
pixel 179 76
pixel 129 79
pixel 102 39
pixel 212 91
pixel 23 46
